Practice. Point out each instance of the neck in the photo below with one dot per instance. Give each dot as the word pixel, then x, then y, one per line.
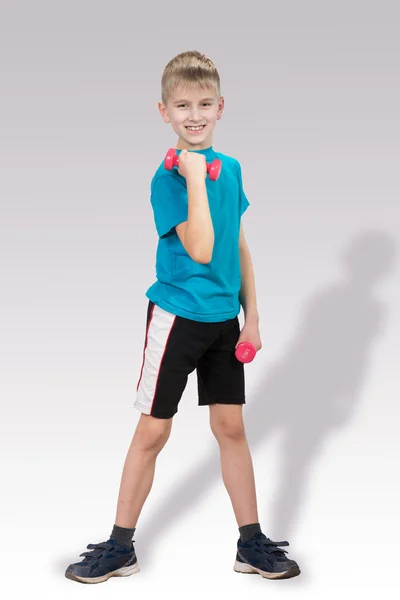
pixel 184 145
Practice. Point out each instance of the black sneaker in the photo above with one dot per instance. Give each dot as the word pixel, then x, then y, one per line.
pixel 105 560
pixel 262 555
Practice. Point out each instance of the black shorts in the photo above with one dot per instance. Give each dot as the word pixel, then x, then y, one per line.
pixel 173 348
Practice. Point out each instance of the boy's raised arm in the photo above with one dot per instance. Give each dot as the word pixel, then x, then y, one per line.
pixel 197 233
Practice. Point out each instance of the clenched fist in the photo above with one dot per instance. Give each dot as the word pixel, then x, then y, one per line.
pixel 192 165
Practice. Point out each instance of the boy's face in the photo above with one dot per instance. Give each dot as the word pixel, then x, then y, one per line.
pixel 191 105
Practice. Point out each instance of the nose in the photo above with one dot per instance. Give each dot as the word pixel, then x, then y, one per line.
pixel 195 114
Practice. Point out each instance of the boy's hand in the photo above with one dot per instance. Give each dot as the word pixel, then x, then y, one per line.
pixel 192 165
pixel 250 333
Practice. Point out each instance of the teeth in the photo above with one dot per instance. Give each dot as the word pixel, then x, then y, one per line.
pixel 196 128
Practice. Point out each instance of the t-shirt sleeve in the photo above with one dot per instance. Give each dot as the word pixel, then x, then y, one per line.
pixel 243 201
pixel 169 200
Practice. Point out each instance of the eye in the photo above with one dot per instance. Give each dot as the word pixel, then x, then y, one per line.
pixel 204 104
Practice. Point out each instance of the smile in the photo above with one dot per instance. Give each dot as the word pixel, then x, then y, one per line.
pixel 192 128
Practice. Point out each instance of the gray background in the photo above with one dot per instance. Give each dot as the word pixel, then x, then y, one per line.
pixel 312 94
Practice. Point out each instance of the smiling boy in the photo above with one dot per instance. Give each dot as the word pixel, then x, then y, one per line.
pixel 204 274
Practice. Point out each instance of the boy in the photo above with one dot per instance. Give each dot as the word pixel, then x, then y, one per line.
pixel 204 273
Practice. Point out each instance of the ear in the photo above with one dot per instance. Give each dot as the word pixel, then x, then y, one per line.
pixel 221 105
pixel 163 111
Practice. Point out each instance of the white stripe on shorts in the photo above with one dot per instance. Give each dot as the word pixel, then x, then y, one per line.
pixel 159 329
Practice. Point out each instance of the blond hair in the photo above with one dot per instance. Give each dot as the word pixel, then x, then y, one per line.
pixel 187 69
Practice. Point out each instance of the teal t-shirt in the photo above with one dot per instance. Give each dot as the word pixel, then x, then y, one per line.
pixel 201 292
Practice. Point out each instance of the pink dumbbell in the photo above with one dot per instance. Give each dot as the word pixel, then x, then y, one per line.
pixel 245 352
pixel 213 169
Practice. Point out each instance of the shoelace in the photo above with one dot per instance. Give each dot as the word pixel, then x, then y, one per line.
pixel 260 543
pixel 98 550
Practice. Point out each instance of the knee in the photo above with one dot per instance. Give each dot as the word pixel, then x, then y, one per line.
pixel 152 433
pixel 228 429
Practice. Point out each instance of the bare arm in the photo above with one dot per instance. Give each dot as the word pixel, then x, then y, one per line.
pixel 247 295
pixel 197 233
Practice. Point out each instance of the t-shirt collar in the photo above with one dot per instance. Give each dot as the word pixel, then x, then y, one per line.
pixel 208 152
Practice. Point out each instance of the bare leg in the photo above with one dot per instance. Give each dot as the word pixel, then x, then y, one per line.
pixel 150 437
pixel 236 462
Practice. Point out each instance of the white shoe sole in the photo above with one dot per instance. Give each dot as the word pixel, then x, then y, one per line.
pixel 241 567
pixel 122 572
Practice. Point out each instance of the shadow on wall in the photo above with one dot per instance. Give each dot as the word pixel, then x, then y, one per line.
pixel 313 390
